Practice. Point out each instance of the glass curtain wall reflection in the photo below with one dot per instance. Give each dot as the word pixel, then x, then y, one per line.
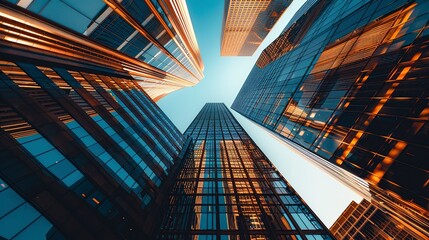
pixel 230 190
pixel 153 41
pixel 83 155
pixel 348 82
pixel 367 221
pixel 84 149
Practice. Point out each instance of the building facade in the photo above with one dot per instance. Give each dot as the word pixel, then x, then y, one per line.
pixel 347 81
pixel 84 155
pixel 85 152
pixel 246 23
pixel 365 221
pixel 228 189
pixel 152 42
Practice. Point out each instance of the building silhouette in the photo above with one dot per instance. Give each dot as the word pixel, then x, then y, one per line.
pixel 246 23
pixel 228 189
pixel 346 83
pixel 152 42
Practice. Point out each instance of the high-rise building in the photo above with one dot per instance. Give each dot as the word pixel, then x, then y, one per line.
pixel 247 22
pixel 84 155
pixel 85 152
pixel 365 221
pixel 151 42
pixel 228 189
pixel 347 81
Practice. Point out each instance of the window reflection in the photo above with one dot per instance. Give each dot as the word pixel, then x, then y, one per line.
pixel 229 186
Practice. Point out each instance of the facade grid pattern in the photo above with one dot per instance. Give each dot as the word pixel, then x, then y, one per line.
pixel 367 221
pixel 139 30
pixel 84 155
pixel 230 190
pixel 353 90
pixel 246 24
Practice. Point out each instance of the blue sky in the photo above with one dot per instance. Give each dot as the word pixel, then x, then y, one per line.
pixel 224 77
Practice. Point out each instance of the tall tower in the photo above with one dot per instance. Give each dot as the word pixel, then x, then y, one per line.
pixel 150 42
pixel 347 82
pixel 246 23
pixel 228 189
pixel 84 154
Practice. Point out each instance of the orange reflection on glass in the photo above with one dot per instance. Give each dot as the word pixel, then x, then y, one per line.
pixel 96 201
pixel 403 73
pixel 382 167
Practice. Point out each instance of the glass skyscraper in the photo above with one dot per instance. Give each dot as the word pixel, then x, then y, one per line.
pixel 246 23
pixel 228 189
pixel 347 80
pixel 85 152
pixel 151 42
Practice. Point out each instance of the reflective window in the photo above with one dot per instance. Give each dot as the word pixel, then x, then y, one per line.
pixel 228 185
pixel 19 220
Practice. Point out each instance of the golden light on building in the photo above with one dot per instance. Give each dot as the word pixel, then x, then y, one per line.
pixel 237 191
pixel 367 221
pixel 363 88
pixel 174 61
pixel 246 23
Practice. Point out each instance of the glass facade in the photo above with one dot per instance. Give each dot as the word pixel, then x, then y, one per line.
pixel 84 155
pixel 350 84
pixel 367 221
pixel 228 189
pixel 246 24
pixel 139 30
pixel 19 220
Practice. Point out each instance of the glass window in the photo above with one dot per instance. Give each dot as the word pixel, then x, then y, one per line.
pixel 19 220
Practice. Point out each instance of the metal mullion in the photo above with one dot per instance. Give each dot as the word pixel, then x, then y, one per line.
pixel 45 187
pixel 169 31
pixel 244 231
pixel 142 95
pixel 164 199
pixel 78 114
pixel 272 188
pixel 120 92
pixel 216 184
pixel 49 41
pixel 118 127
pixel 267 223
pixel 101 136
pixel 144 109
pixel 197 180
pixel 123 13
pixel 63 141
pixel 51 28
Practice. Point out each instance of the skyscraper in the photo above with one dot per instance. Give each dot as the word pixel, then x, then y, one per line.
pixel 246 23
pixel 367 221
pixel 151 42
pixel 83 155
pixel 348 81
pixel 228 189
